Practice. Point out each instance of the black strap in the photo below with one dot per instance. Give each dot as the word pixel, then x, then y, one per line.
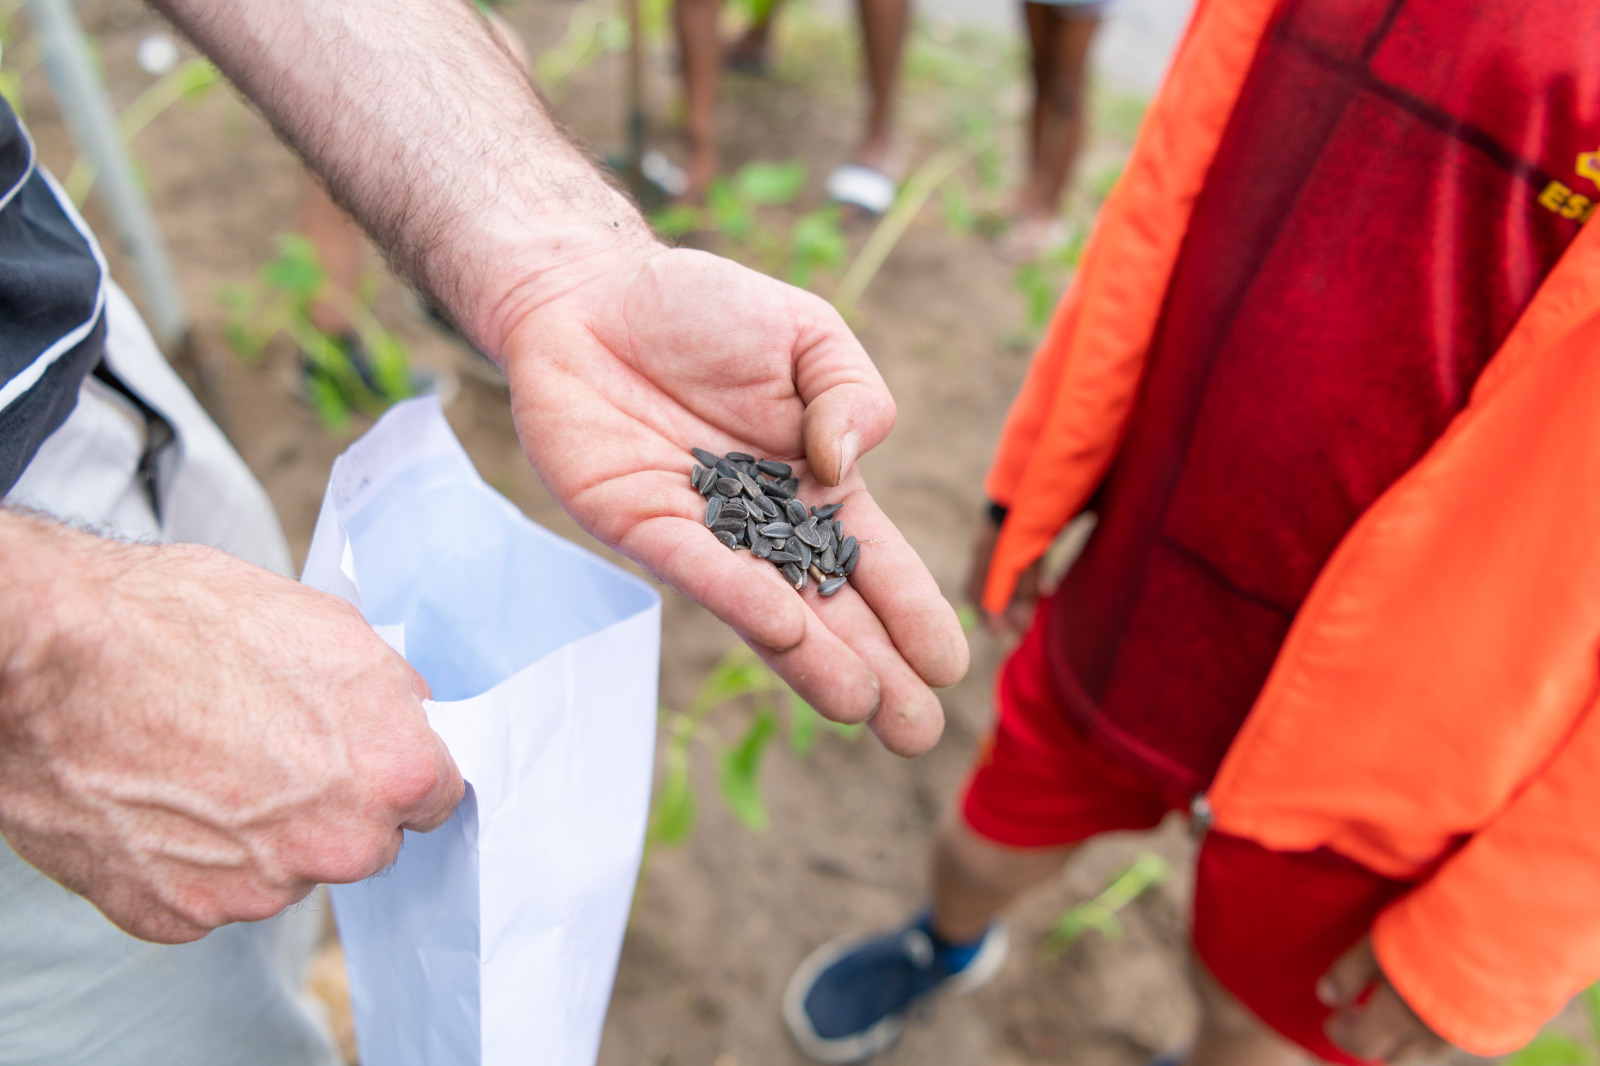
pixel 158 435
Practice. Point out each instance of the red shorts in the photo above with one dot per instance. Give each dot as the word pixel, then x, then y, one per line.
pixel 1267 924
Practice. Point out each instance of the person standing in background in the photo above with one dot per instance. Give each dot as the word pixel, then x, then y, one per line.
pixel 1059 35
pixel 867 183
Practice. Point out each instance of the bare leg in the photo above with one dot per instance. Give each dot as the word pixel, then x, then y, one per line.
pixel 1060 46
pixel 1231 1036
pixel 702 70
pixel 974 879
pixel 753 50
pixel 337 240
pixel 883 32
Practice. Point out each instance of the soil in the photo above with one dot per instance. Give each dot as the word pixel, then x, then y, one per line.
pixel 722 921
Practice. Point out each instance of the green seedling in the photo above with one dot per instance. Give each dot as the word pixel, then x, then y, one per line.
pixel 736 210
pixel 280 301
pixel 1100 913
pixel 738 679
pixel 1042 282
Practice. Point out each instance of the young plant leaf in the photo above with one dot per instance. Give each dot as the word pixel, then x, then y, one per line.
pixel 296 271
pixel 1100 913
pixel 738 673
pixel 731 215
pixel 769 184
pixel 739 772
pixel 672 817
pixel 958 214
pixel 804 722
pixel 818 242
pixel 677 220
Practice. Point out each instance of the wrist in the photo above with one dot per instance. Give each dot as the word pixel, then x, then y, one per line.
pixel 547 266
pixel 54 602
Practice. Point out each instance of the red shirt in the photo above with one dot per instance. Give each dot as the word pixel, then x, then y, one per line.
pixel 1396 181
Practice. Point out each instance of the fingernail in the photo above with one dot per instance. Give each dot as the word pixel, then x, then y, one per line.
pixel 849 451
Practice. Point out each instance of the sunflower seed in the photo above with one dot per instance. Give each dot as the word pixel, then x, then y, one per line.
pixel 795 510
pixel 826 511
pixel 781 557
pixel 829 561
pixel 761 547
pixel 849 566
pixel 727 539
pixel 774 468
pixel 749 485
pixel 740 457
pixel 729 524
pixel 780 489
pixel 735 506
pixel 832 585
pixel 766 506
pixel 804 551
pixel 705 457
pixel 838 531
pixel 847 550
pixel 792 484
pixel 796 576
pixel 725 468
pixel 729 486
pixel 713 508
pixel 777 530
pixel 807 531
pixel 695 474
pixel 816 575
pixel 708 483
pixel 828 539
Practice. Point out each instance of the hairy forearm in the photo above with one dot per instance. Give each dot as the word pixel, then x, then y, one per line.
pixel 427 131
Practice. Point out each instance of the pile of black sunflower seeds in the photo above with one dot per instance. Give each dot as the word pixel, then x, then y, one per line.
pixel 750 503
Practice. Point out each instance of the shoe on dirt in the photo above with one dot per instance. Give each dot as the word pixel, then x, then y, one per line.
pixel 849 1000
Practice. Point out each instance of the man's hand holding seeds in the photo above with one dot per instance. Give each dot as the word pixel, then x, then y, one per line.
pixel 612 386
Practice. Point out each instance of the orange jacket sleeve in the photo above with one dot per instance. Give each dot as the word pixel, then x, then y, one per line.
pixel 1508 929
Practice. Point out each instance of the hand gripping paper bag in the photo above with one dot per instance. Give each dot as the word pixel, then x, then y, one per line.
pixel 494 939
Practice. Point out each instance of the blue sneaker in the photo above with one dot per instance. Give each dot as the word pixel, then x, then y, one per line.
pixel 849 999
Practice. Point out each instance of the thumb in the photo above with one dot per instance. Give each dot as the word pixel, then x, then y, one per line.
pixel 842 423
pixel 1350 977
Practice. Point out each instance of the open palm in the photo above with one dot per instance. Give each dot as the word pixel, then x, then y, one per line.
pixel 613 383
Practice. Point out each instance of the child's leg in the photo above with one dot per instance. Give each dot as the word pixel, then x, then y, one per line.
pixel 753 50
pixel 1230 1035
pixel 974 879
pixel 1059 37
pixel 883 32
pixel 702 69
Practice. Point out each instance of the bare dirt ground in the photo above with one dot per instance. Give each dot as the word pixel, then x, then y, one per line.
pixel 722 921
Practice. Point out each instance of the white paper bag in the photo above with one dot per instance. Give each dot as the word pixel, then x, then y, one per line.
pixel 494 939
